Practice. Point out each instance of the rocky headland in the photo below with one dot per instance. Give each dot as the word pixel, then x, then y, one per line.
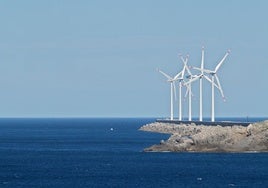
pixel 203 138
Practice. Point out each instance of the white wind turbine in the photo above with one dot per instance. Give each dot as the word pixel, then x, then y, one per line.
pixel 172 89
pixel 201 87
pixel 213 74
pixel 200 77
pixel 190 76
pixel 181 79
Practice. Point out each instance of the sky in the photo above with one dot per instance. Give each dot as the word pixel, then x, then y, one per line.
pixel 98 58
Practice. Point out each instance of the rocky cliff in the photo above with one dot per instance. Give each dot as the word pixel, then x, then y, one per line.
pixel 200 138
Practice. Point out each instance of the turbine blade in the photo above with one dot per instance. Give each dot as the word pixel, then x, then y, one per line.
pixel 208 79
pixel 187 68
pixel 203 70
pixel 193 79
pixel 167 76
pixel 183 71
pixel 192 94
pixel 187 91
pixel 177 76
pixel 219 84
pixel 185 61
pixel 221 62
pixel 202 59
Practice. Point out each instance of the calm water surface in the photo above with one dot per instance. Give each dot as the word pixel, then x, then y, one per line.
pixel 108 153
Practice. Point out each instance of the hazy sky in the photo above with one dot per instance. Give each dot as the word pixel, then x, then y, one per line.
pixel 98 58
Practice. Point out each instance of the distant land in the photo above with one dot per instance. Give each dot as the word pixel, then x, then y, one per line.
pixel 203 138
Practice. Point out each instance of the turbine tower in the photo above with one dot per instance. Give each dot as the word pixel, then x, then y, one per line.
pixel 201 87
pixel 214 76
pixel 172 89
pixel 200 77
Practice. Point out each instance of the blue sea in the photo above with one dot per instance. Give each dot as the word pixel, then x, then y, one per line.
pixel 108 152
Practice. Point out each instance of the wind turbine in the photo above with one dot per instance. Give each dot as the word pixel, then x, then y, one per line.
pixel 172 89
pixel 190 76
pixel 201 87
pixel 200 77
pixel 181 79
pixel 214 76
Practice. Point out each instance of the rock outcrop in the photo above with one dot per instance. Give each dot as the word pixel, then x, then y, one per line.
pixel 201 138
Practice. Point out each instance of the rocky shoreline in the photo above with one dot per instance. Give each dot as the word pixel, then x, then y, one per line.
pixel 201 138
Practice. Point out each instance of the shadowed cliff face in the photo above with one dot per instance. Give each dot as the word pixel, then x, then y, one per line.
pixel 211 138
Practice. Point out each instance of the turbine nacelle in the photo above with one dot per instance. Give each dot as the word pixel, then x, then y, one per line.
pixel 188 76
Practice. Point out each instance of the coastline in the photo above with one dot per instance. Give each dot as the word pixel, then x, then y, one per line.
pixel 204 138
